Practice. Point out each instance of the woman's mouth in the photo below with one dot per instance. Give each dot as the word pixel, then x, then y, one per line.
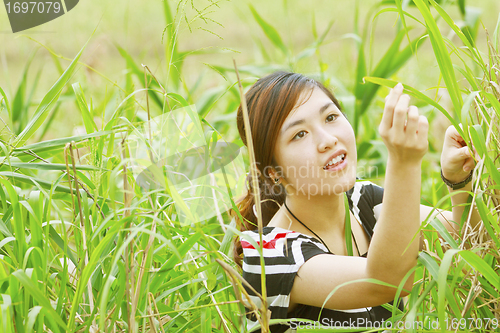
pixel 336 163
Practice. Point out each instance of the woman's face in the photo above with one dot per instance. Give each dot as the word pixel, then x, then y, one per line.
pixel 316 148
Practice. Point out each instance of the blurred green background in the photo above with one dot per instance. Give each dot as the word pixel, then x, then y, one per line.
pixel 228 33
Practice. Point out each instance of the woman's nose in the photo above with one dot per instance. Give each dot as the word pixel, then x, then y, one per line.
pixel 326 140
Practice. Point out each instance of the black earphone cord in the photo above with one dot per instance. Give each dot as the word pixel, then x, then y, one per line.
pixel 295 217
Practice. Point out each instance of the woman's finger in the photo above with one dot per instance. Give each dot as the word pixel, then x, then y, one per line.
pixel 468 166
pixel 390 104
pixel 400 112
pixel 412 120
pixel 456 138
pixel 464 152
pixel 423 128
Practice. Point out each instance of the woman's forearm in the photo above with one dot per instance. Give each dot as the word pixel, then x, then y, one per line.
pixel 394 247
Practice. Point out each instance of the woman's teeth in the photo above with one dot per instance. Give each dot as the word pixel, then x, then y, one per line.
pixel 335 160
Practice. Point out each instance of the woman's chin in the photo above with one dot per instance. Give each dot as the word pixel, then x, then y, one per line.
pixel 323 187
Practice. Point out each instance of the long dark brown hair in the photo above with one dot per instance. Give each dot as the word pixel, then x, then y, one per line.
pixel 269 102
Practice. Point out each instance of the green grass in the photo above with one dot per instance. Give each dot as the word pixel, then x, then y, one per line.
pixel 84 248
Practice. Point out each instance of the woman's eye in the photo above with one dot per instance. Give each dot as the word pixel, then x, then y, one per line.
pixel 331 117
pixel 299 135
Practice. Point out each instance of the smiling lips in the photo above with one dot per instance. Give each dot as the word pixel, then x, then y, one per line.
pixel 335 161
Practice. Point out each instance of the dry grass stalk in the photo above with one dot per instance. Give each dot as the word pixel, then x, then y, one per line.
pixel 82 222
pixel 237 281
pixel 256 189
pixel 129 258
pixel 156 313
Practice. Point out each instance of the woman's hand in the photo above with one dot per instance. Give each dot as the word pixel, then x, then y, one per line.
pixel 402 129
pixel 456 158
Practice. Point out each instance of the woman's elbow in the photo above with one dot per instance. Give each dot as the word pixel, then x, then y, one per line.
pixel 390 292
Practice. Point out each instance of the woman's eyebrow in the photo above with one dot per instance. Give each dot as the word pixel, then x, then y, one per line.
pixel 301 121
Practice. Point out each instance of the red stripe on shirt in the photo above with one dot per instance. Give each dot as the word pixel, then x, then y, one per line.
pixel 266 245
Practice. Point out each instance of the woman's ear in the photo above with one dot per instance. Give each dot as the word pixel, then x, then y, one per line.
pixel 274 175
pixel 271 173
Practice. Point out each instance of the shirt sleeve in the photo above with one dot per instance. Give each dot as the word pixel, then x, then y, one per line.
pixel 377 193
pixel 377 196
pixel 301 250
pixel 364 197
pixel 283 257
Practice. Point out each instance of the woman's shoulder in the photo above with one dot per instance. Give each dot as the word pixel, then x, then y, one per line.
pixel 270 235
pixel 284 251
pixel 273 234
pixel 278 242
pixel 364 187
pixel 365 192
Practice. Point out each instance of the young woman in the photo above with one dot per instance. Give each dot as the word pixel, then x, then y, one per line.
pixel 305 151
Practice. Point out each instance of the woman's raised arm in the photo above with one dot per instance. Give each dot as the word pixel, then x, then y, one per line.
pixel 393 249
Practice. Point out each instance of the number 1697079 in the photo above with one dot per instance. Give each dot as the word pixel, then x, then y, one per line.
pixel 33 7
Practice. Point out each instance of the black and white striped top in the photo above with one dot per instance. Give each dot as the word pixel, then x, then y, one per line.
pixel 284 253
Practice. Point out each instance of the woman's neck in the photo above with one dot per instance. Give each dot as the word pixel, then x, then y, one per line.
pixel 322 213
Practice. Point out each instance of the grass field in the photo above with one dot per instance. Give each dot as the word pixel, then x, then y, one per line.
pixel 85 246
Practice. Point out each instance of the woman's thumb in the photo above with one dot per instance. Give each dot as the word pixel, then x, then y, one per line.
pixel 464 151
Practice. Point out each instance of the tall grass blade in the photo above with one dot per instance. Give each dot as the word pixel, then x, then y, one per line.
pixel 442 55
pixel 269 31
pixel 49 145
pixel 32 180
pixel 88 121
pixel 6 101
pixel 47 102
pixel 41 299
pixel 19 105
pixel 482 267
pixel 392 61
